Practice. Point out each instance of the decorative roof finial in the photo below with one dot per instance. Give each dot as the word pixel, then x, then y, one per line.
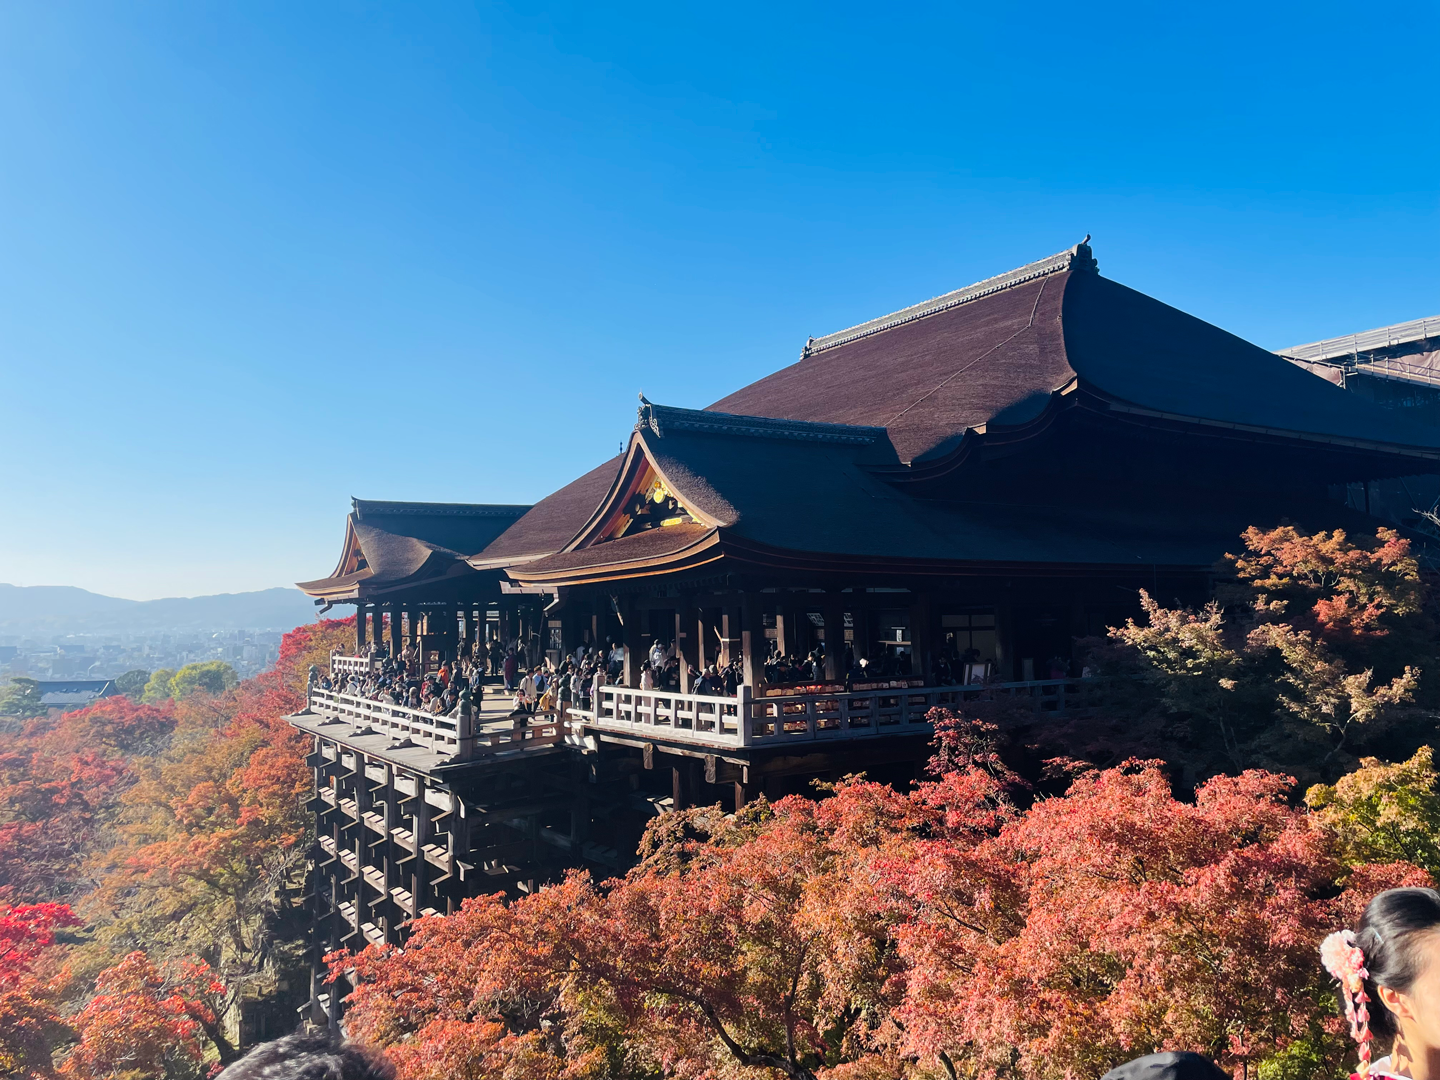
pixel 1082 258
pixel 645 415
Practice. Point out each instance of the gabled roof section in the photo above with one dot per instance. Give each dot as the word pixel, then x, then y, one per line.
pixel 400 544
pixel 643 499
pixel 462 527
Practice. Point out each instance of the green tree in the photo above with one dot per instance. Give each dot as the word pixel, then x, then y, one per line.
pixel 213 677
pixel 157 688
pixel 21 698
pixel 132 683
pixel 1385 813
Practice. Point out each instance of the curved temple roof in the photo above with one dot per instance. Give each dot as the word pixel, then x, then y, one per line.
pixel 895 398
pixel 390 545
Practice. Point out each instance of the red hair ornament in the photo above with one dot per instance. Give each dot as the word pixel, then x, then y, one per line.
pixel 1346 962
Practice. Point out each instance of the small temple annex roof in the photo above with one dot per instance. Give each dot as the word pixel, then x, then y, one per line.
pixel 390 545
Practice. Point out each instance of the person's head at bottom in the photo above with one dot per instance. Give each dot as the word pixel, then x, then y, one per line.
pixel 1175 1065
pixel 1389 975
pixel 320 1056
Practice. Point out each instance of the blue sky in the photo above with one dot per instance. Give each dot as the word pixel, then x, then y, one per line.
pixel 256 258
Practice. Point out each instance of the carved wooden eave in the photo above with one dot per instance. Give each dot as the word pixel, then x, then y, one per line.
pixel 641 479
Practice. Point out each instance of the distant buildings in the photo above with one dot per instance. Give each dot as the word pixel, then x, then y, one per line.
pixel 109 655
pixel 64 695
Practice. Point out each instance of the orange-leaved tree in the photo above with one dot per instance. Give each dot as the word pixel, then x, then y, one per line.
pixel 1312 638
pixel 29 1023
pixel 214 836
pixel 144 1022
pixel 747 942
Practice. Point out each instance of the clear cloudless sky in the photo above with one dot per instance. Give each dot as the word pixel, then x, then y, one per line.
pixel 259 257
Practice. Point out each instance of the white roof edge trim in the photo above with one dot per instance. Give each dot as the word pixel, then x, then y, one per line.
pixel 1078 258
pixel 1365 341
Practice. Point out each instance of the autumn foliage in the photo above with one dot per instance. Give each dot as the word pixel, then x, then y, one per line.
pixel 979 924
pixel 948 930
pixel 175 834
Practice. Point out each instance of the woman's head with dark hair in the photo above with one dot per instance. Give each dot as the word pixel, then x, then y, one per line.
pixel 305 1056
pixel 1400 937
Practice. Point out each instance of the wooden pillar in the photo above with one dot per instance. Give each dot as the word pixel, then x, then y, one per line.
pixel 920 636
pixel 677 788
pixel 742 794
pixel 421 827
pixel 703 648
pixel 630 616
pixel 834 636
pixel 687 622
pixel 360 627
pixel 782 627
pixel 396 641
pixel 1005 643
pixel 752 641
pixel 728 621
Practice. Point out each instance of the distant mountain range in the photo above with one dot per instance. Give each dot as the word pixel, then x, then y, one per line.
pixel 55 609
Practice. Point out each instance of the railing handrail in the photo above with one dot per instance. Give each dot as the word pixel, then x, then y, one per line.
pixel 349 664
pixel 440 732
pixel 745 720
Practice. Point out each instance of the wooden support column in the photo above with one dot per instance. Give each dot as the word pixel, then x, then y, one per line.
pixel 1005 643
pixel 360 627
pixel 630 615
pixel 677 788
pixel 395 643
pixel 728 622
pixel 920 636
pixel 834 636
pixel 782 627
pixel 752 641
pixel 420 881
pixel 687 622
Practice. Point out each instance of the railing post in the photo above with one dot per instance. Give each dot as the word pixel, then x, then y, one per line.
pixel 465 733
pixel 742 710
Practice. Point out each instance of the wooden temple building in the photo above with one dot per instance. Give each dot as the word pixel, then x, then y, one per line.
pixel 986 476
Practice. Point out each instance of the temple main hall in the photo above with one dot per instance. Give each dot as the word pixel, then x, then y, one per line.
pixel 925 507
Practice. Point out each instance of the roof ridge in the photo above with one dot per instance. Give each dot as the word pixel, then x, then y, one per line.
pixel 663 418
pixel 384 508
pixel 1078 257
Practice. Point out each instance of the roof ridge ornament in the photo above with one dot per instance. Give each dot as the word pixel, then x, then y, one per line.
pixel 1079 259
pixel 645 416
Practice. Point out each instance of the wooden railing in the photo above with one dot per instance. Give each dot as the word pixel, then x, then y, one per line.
pixel 660 714
pixel 352 665
pixel 452 736
pixel 740 721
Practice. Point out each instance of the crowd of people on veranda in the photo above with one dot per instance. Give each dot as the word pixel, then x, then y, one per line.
pixel 535 685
